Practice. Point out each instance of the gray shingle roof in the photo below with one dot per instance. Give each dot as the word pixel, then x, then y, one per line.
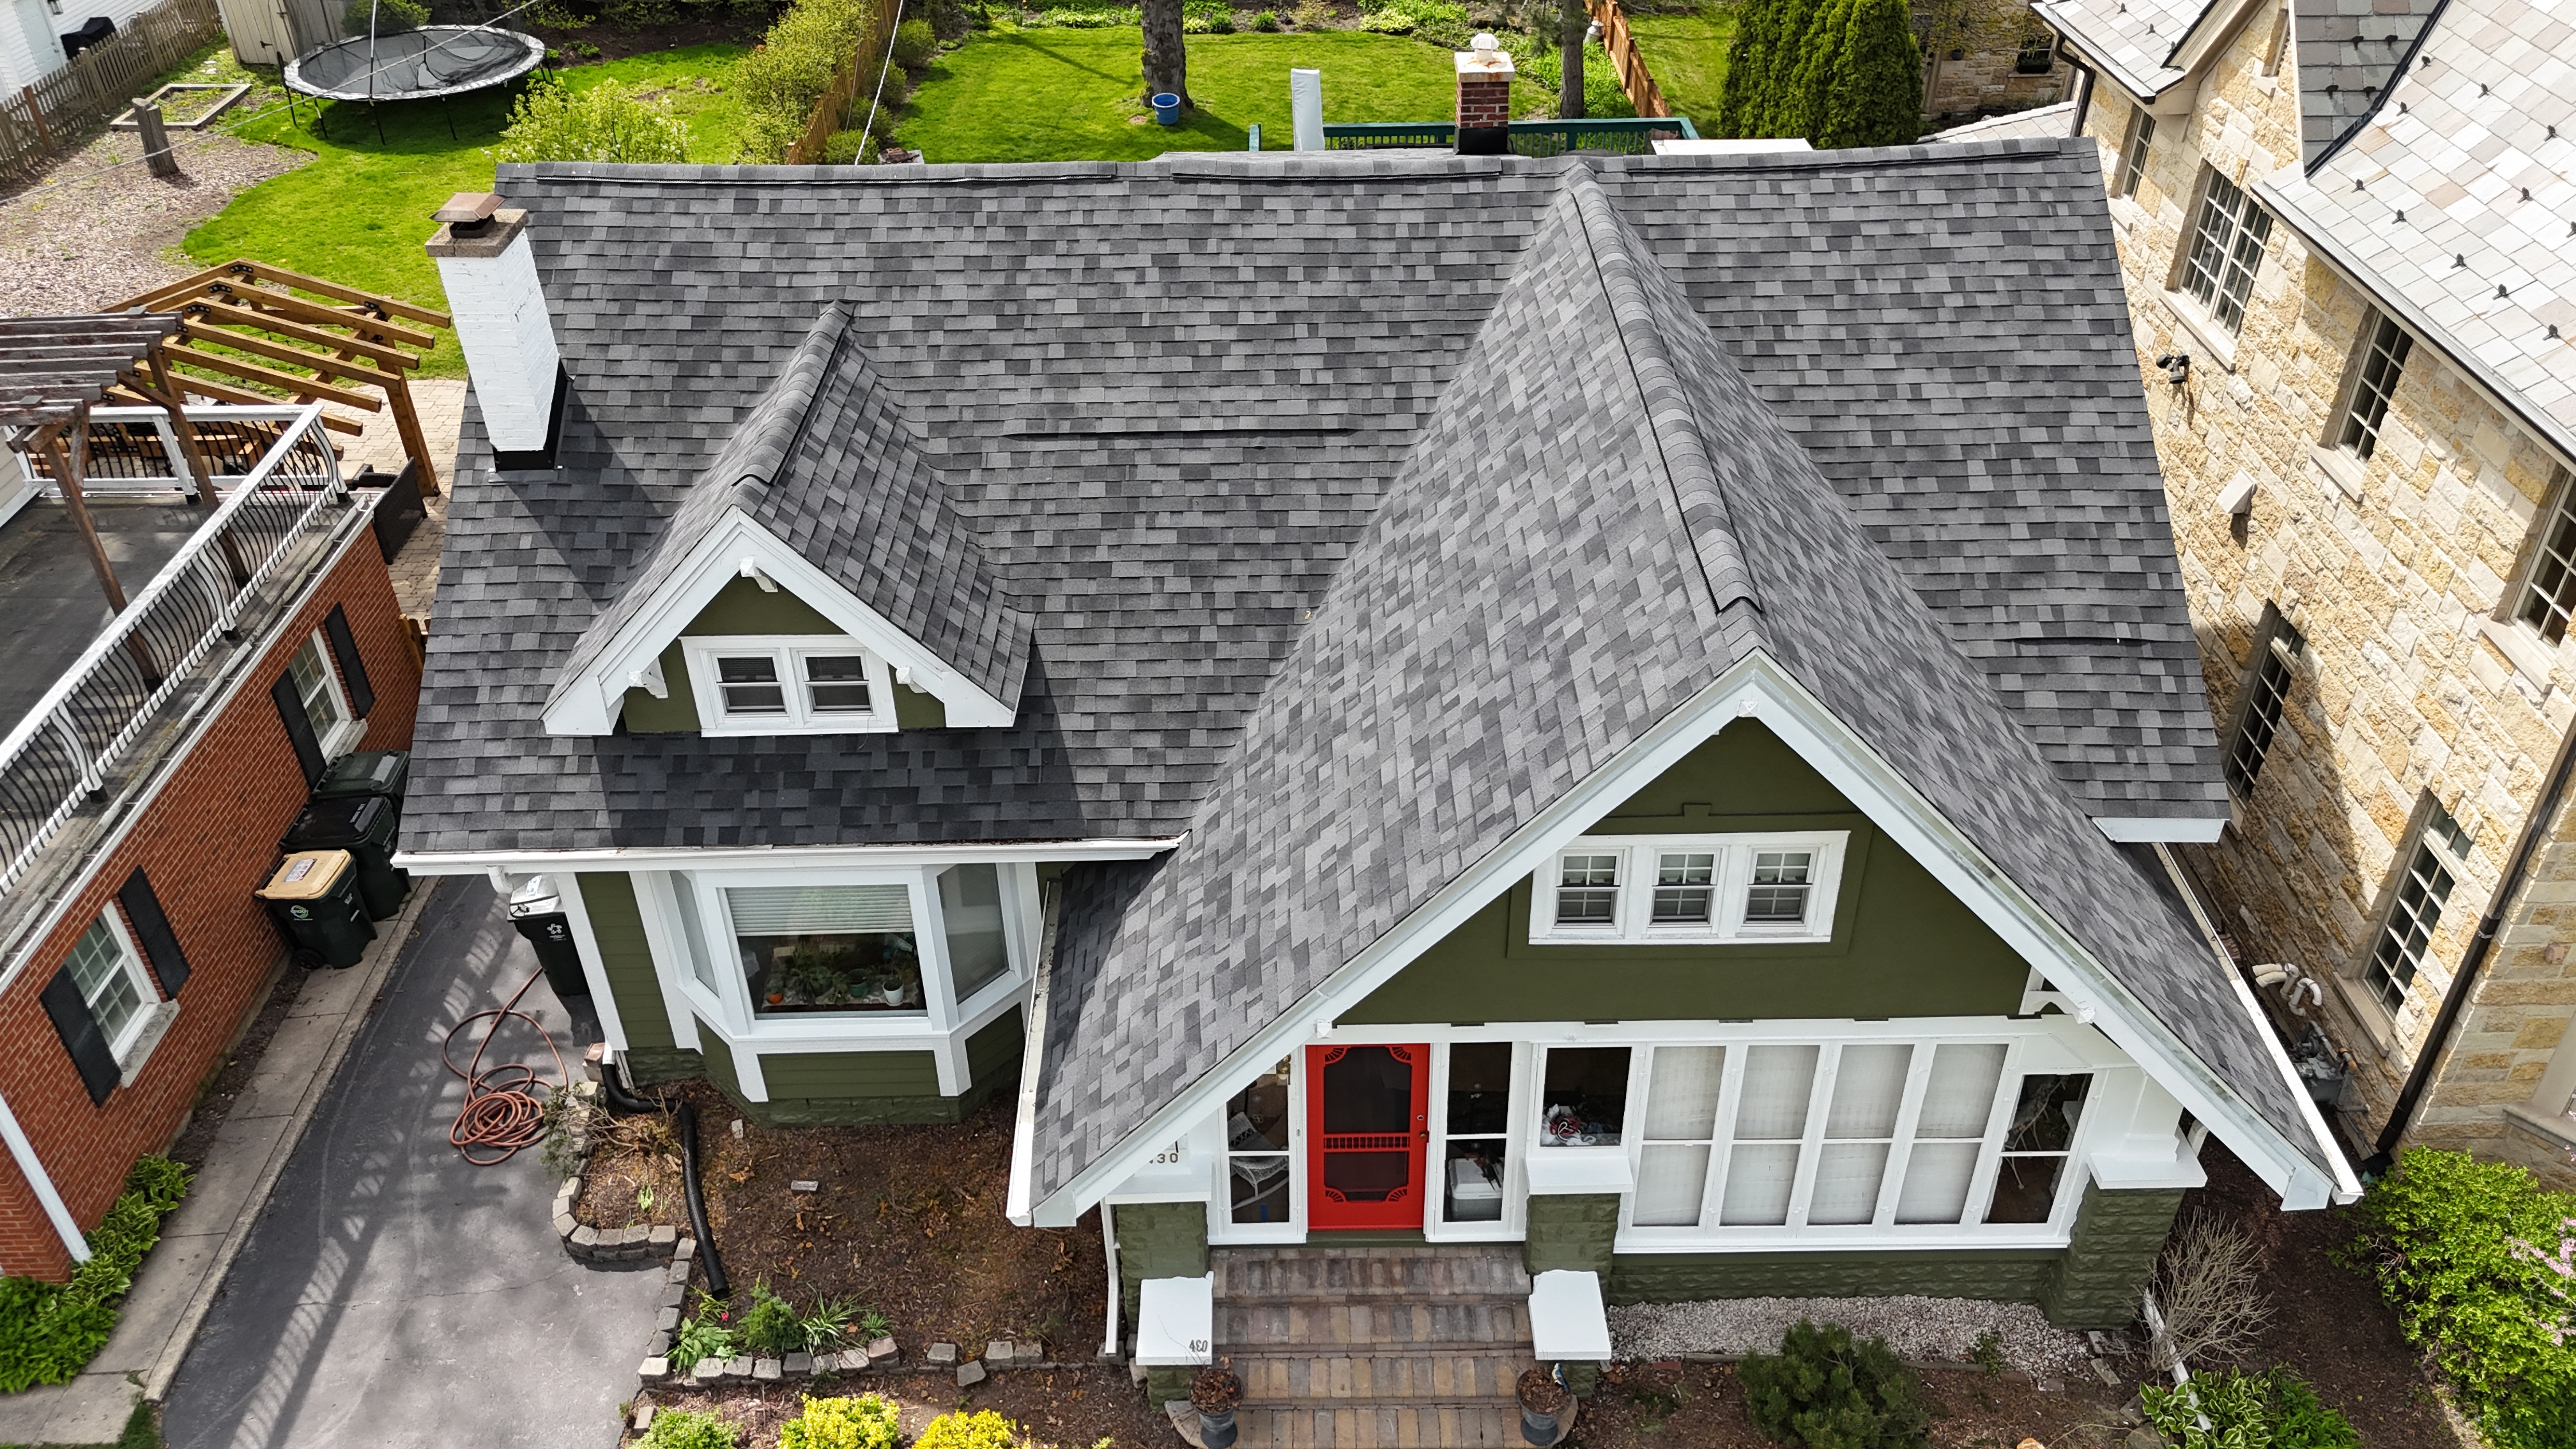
pixel 1600 518
pixel 2348 52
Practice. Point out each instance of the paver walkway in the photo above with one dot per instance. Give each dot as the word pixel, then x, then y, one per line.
pixel 394 1296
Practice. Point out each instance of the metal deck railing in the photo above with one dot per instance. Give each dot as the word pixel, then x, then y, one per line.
pixel 135 450
pixel 1635 135
pixel 273 512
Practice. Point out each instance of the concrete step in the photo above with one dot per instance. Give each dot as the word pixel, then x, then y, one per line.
pixel 1479 1424
pixel 1342 1326
pixel 1272 1274
pixel 1447 1376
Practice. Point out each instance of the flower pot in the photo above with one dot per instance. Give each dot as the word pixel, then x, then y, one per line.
pixel 1216 1431
pixel 1537 1428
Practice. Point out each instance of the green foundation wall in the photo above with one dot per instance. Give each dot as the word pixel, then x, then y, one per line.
pixel 1571 1232
pixel 872 1089
pixel 1158 1240
pixel 2117 1238
pixel 1684 1277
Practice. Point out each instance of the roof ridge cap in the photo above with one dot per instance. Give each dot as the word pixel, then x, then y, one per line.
pixel 1688 470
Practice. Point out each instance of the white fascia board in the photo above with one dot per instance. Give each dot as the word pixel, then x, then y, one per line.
pixel 1019 1190
pixel 2214 31
pixel 1756 686
pixel 782 857
pixel 2162 829
pixel 589 704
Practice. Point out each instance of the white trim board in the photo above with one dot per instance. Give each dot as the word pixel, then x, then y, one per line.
pixel 1755 686
pixel 738 546
pixel 783 857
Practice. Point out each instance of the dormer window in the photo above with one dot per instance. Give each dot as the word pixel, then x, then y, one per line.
pixel 786 685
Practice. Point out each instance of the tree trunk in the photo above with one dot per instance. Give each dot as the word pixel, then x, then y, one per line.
pixel 1167 59
pixel 1571 19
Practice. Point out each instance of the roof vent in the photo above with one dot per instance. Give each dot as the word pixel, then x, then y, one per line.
pixel 2482 88
pixel 2526 193
pixel 2401 216
pixel 2553 331
pixel 2331 88
pixel 2356 183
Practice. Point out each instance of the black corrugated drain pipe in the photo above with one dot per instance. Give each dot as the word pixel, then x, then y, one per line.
pixel 2535 831
pixel 623 1103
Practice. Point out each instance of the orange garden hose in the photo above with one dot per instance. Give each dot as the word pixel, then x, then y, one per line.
pixel 501 1112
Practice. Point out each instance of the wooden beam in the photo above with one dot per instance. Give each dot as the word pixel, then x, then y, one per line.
pixel 159 298
pixel 302 387
pixel 394 305
pixel 369 329
pixel 170 400
pixel 214 311
pixel 325 367
pixel 67 481
pixel 415 442
pixel 205 387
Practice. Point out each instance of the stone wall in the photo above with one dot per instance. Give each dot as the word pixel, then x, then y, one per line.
pixel 1986 82
pixel 1572 1232
pixel 2113 1247
pixel 2394 570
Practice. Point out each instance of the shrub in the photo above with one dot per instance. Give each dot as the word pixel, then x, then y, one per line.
pixel 850 148
pixel 866 1422
pixel 1207 17
pixel 2277 1409
pixel 914 43
pixel 390 17
pixel 50 1331
pixel 1603 97
pixel 1433 18
pixel 769 1326
pixel 606 122
pixel 1080 18
pixel 687 1429
pixel 784 77
pixel 1266 21
pixel 1827 1392
pixel 2208 1288
pixel 982 1429
pixel 704 1336
pixel 2456 1247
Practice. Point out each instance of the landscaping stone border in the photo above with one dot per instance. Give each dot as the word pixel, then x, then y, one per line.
pixel 881 1356
pixel 588 1244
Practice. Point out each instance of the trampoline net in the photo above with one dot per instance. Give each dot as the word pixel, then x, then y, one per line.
pixel 436 60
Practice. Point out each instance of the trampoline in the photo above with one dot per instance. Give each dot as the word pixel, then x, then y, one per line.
pixel 433 62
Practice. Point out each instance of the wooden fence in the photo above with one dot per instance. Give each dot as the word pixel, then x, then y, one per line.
pixel 50 117
pixel 1626 61
pixel 852 87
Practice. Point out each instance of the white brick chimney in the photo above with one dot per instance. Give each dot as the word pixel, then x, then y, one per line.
pixel 501 321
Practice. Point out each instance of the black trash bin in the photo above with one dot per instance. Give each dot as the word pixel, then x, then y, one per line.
pixel 362 825
pixel 314 895
pixel 537 910
pixel 367 772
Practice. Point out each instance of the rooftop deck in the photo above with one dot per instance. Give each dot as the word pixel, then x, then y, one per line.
pixel 51 607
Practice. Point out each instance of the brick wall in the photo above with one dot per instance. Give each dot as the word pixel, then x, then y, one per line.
pixel 2393 575
pixel 206 840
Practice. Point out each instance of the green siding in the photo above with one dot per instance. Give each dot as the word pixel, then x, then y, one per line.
pixel 678 714
pixel 869 1089
pixel 1571 1231
pixel 719 1058
pixel 2116 1240
pixel 1158 1240
pixel 625 959
pixel 1903 945
pixel 745 608
pixel 851 1074
pixel 914 710
pixel 652 1066
pixel 1685 1277
pixel 995 1048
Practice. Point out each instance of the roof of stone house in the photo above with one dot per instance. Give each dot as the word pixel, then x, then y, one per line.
pixel 2037 123
pixel 2133 39
pixel 2348 52
pixel 2453 203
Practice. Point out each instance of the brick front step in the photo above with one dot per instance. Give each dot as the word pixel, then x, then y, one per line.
pixel 1406 1326
pixel 1482 1424
pixel 1285 1379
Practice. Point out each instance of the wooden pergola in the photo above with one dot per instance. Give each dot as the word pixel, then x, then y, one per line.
pixel 246 323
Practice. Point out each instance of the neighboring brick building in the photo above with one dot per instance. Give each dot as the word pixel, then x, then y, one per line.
pixel 2367 458
pixel 131 948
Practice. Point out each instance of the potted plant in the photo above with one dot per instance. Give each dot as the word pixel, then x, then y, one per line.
pixel 1216 1393
pixel 1543 1405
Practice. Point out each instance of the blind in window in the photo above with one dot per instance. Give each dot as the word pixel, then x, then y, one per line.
pixel 1961 1092
pixel 1670 1181
pixel 1869 1085
pixel 1847 1178
pixel 1776 1087
pixel 818 910
pixel 1681 1095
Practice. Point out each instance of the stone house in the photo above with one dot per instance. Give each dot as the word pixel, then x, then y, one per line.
pixel 2346 237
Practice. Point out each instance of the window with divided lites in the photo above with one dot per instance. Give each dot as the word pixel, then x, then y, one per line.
pixel 1739 1136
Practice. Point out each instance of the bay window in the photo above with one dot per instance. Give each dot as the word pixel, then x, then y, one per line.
pixel 1702 888
pixel 827 948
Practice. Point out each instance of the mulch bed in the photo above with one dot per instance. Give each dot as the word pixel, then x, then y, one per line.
pixel 630 1181
pixel 2329 1324
pixel 1069 1407
pixel 1703 1405
pixel 907 1221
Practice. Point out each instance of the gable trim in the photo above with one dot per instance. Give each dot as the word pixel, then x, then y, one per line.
pixel 801 857
pixel 1755 686
pixel 738 546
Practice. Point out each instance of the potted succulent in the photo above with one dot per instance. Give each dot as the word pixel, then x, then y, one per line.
pixel 1543 1405
pixel 1216 1393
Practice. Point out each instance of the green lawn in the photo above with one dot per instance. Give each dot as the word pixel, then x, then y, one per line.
pixel 1071 95
pixel 360 213
pixel 1686 54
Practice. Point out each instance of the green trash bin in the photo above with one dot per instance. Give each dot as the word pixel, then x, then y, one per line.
pixel 364 826
pixel 314 894
pixel 368 772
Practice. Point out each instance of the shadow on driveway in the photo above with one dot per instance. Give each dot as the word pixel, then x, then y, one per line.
pixel 391 1294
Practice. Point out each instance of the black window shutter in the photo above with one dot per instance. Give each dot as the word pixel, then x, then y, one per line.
pixel 79 1031
pixel 152 928
pixel 299 727
pixel 353 667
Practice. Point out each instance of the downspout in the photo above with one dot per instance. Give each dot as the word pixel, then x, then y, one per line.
pixel 2535 829
pixel 2083 87
pixel 24 1152
pixel 1109 1344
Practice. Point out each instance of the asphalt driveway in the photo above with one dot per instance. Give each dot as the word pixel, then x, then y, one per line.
pixel 392 1295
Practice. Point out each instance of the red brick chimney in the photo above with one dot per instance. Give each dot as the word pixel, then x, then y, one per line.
pixel 1484 98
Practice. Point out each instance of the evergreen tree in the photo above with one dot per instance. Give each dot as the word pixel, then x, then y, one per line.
pixel 1749 64
pixel 1807 69
pixel 1874 93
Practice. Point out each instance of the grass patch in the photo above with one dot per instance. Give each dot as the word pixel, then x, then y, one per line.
pixel 360 213
pixel 1686 54
pixel 1071 95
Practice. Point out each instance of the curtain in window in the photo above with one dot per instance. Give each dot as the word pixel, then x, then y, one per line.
pixel 1681 1113
pixel 818 910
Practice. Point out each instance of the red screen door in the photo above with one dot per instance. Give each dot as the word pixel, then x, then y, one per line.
pixel 1366 1106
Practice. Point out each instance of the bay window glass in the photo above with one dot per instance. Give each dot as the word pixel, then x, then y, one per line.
pixel 2037 1144
pixel 1478 1115
pixel 702 962
pixel 1256 1140
pixel 827 948
pixel 1584 1098
pixel 970 912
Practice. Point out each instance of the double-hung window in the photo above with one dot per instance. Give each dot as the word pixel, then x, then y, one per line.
pixel 2549 584
pixel 2133 152
pixel 808 684
pixel 2038 54
pixel 2261 701
pixel 1708 888
pixel 318 690
pixel 2414 909
pixel 2227 240
pixel 2381 364
pixel 109 973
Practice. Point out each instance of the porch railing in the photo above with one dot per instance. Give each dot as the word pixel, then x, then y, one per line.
pixel 62 753
pixel 1632 134
pixel 135 450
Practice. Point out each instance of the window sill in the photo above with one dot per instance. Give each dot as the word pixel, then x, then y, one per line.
pixel 1565 1171
pixel 729 729
pixel 2365 1008
pixel 2340 468
pixel 345 736
pixel 137 1052
pixel 2204 329
pixel 2532 658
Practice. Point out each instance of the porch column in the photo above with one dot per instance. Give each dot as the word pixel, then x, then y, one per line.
pixel 2118 1234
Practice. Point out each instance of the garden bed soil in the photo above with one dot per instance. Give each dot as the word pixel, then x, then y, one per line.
pixel 628 1183
pixel 1059 1408
pixel 2329 1323
pixel 906 1221
pixel 1658 1405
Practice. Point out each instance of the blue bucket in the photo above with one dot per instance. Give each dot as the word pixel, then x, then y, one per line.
pixel 1167 109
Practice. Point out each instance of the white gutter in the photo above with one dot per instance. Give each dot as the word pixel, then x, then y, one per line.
pixel 33 1169
pixel 665 857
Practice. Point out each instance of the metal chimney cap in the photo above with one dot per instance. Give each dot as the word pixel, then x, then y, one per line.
pixel 468 208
